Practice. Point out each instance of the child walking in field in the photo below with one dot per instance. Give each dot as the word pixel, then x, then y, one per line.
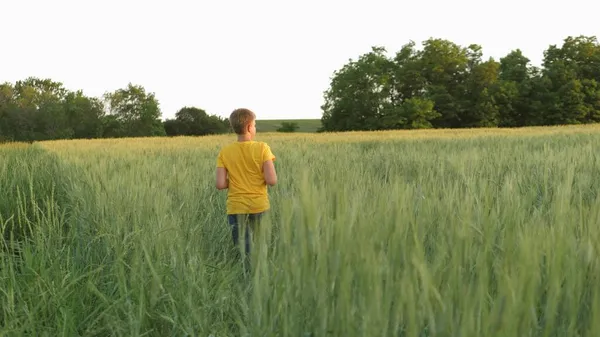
pixel 245 168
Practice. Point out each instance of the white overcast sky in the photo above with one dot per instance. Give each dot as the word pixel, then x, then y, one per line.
pixel 275 57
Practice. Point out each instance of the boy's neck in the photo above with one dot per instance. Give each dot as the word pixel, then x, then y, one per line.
pixel 244 138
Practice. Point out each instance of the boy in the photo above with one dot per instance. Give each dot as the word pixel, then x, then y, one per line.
pixel 245 168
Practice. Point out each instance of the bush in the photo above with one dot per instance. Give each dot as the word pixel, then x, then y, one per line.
pixel 288 127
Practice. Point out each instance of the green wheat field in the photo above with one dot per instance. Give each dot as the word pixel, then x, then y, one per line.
pixel 487 232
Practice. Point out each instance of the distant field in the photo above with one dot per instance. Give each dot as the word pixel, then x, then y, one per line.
pixel 271 125
pixel 472 232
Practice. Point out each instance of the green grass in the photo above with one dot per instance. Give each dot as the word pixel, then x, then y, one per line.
pixel 484 236
pixel 305 125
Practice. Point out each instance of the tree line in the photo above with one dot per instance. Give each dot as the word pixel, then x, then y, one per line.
pixel 445 85
pixel 41 109
pixel 441 85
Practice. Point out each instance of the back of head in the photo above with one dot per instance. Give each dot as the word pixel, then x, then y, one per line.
pixel 240 118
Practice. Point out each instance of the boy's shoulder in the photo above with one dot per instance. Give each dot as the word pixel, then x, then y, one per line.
pixel 226 147
pixel 264 147
pixel 236 146
pixel 262 143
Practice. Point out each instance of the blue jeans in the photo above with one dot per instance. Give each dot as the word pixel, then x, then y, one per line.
pixel 248 222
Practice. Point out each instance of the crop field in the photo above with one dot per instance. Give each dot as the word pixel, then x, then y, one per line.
pixel 483 232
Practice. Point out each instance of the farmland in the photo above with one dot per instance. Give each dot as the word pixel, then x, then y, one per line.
pixel 474 232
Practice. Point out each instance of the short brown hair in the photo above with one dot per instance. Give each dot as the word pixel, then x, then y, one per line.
pixel 240 118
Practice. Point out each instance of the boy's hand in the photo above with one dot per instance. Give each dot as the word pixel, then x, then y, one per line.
pixel 222 182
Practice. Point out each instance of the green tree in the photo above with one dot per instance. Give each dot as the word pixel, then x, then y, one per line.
pixel 418 113
pixel 376 92
pixel 174 127
pixel 591 90
pixel 192 121
pixel 7 112
pixel 39 113
pixel 84 115
pixel 408 80
pixel 572 72
pixel 42 109
pixel 518 92
pixel 361 93
pixel 138 112
pixel 407 85
pixel 444 65
pixel 479 106
pixel 112 127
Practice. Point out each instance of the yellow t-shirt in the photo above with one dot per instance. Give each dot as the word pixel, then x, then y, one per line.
pixel 247 191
